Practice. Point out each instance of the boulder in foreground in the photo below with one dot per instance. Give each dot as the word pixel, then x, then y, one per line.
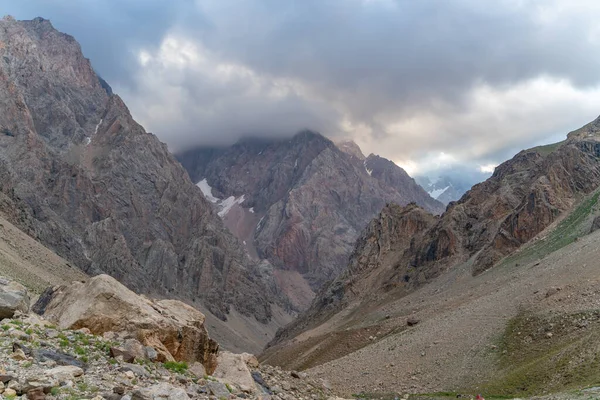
pixel 233 368
pixel 102 304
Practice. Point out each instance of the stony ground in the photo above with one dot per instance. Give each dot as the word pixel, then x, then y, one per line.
pixel 39 361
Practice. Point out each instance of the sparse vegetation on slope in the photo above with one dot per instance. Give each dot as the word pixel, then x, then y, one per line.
pixel 549 148
pixel 548 353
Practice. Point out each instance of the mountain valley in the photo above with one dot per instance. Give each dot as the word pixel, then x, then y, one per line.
pixel 131 273
pixel 301 203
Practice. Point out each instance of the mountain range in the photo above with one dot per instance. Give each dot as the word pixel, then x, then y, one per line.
pixel 373 286
pixel 82 177
pixel 300 203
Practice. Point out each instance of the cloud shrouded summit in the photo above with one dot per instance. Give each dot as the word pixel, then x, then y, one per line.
pixel 428 84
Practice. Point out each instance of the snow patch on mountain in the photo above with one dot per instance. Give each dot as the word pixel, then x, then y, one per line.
pixel 98 126
pixel 207 191
pixel 369 171
pixel 228 203
pixel 223 205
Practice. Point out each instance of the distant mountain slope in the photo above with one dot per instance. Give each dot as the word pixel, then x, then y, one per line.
pixel 83 178
pixel 392 176
pixel 405 247
pixel 300 203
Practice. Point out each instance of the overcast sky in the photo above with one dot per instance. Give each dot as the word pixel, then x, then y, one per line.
pixel 429 84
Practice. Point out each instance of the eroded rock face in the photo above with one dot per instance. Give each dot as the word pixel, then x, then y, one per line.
pixel 309 198
pixel 102 304
pixel 82 177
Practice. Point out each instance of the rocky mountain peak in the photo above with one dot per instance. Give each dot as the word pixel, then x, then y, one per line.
pixel 300 203
pixel 590 131
pixel 350 147
pixel 306 136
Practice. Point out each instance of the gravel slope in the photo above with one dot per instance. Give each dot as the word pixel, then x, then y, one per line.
pixel 462 318
pixel 24 259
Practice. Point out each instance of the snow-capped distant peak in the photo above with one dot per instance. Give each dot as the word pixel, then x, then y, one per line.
pixel 438 192
pixel 207 191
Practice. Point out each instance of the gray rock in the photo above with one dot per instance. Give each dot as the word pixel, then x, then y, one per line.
pixel 136 369
pixel 218 389
pixel 197 370
pixel 13 298
pixel 150 353
pixel 58 357
pixel 45 382
pixel 261 382
pixel 161 391
pixel 64 372
pixel 123 353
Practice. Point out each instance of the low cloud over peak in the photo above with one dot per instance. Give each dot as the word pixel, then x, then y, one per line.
pixel 427 84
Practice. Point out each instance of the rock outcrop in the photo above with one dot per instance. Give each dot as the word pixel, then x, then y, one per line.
pixel 174 329
pixel 83 178
pixel 301 203
pixel 234 368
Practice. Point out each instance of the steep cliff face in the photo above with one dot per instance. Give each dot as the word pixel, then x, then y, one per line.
pixel 87 181
pixel 403 248
pixel 308 197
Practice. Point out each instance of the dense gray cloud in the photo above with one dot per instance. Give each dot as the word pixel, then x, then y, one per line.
pixel 428 84
pixel 109 31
